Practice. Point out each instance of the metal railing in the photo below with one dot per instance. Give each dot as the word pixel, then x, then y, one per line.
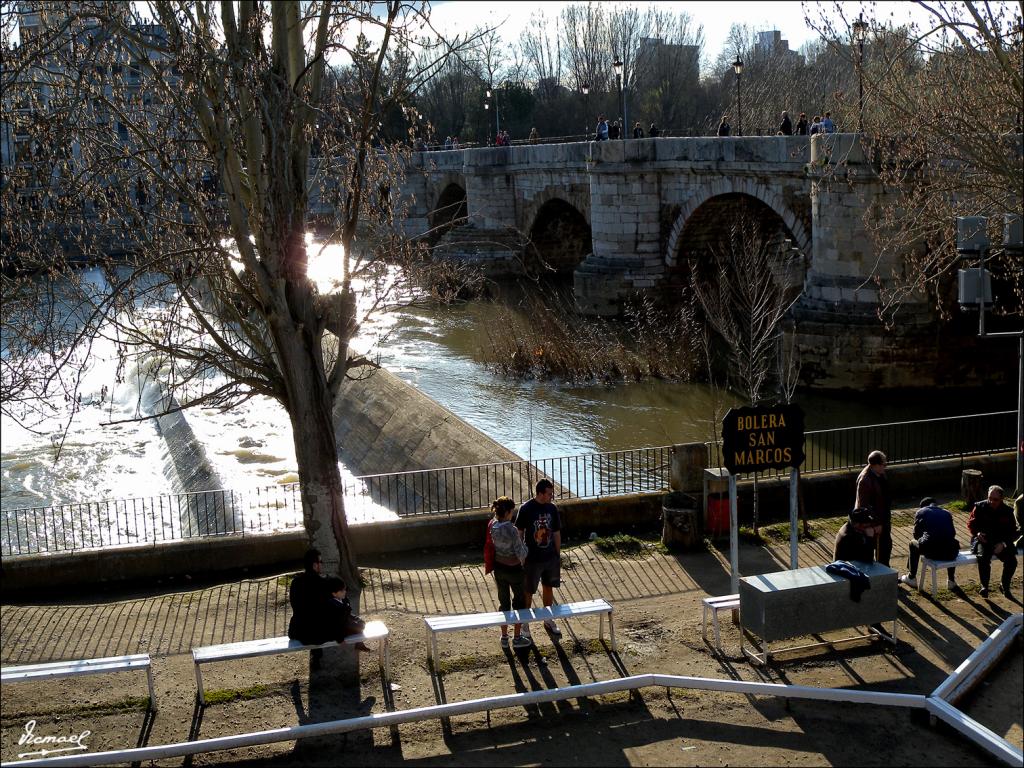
pixel 178 517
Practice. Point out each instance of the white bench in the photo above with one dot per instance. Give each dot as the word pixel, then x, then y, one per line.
pixel 716 605
pixel 374 630
pixel 964 558
pixel 55 669
pixel 437 624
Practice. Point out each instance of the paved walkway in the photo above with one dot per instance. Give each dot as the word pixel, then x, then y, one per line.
pixel 175 622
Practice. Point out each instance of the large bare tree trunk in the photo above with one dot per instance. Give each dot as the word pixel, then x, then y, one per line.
pixel 316 456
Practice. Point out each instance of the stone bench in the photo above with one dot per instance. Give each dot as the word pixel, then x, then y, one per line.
pixel 438 624
pixel 374 630
pixel 964 558
pixel 809 601
pixel 55 669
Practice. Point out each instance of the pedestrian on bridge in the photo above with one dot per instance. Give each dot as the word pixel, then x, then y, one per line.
pixel 723 127
pixel 786 126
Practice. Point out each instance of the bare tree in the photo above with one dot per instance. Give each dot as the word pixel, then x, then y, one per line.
pixel 744 297
pixel 204 150
pixel 942 121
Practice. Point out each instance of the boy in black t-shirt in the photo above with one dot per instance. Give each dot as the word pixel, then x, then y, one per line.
pixel 541 527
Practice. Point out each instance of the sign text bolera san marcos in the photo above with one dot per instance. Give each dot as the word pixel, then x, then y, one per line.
pixel 756 439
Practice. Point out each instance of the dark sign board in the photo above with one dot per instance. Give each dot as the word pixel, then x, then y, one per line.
pixel 756 439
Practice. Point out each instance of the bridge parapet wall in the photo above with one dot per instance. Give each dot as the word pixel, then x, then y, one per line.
pixel 775 154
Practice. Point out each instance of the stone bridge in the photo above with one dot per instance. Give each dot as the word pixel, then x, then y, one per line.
pixel 627 217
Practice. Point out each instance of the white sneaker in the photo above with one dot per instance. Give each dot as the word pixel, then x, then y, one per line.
pixel 951 584
pixel 909 580
pixel 552 628
pixel 523 641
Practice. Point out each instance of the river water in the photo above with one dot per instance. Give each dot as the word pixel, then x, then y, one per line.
pixel 436 349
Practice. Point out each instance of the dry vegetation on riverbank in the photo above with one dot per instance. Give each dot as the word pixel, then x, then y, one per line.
pixel 541 336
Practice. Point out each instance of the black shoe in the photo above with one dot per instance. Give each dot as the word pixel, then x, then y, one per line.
pixel 984 591
pixel 1005 589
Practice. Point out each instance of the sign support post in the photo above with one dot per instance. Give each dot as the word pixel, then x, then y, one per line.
pixel 793 533
pixel 734 537
pixel 757 439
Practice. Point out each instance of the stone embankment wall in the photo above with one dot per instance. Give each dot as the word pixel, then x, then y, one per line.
pixel 825 494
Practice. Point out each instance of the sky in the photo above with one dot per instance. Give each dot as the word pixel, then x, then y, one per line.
pixel 716 17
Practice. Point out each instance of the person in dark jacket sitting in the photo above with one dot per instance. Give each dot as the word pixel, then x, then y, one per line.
pixel 935 538
pixel 307 595
pixel 992 525
pixel 856 539
pixel 338 619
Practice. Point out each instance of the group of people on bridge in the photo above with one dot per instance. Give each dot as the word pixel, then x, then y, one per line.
pixel 786 127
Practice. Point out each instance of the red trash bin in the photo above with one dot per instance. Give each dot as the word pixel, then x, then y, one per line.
pixel 718 517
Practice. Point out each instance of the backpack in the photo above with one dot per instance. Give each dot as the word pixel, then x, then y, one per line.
pixel 489 549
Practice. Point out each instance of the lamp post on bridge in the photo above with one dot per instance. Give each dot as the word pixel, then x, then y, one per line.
pixel 586 100
pixel 737 67
pixel 617 66
pixel 860 33
pixel 487 118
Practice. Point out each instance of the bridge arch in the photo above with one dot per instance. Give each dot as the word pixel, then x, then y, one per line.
pixel 450 209
pixel 737 189
pixel 559 236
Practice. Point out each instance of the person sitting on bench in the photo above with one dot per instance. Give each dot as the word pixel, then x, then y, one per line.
pixel 307 595
pixel 856 539
pixel 992 525
pixel 934 537
pixel 339 621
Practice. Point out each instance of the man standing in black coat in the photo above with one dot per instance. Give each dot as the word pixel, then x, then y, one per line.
pixel 786 128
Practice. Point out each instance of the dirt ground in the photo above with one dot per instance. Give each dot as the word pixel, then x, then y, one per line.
pixel 657 607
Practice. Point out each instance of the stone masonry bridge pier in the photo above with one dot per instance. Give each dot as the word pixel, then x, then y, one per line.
pixel 624 217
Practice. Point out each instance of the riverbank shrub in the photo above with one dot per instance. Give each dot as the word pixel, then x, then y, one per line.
pixel 539 335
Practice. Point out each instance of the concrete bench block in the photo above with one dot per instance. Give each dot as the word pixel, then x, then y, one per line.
pixel 775 606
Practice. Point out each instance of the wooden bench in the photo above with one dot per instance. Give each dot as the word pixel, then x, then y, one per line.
pixel 437 624
pixel 964 558
pixel 55 669
pixel 374 630
pixel 715 605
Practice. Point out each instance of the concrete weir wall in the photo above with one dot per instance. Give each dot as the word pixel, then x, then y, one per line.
pixel 825 494
pixel 384 425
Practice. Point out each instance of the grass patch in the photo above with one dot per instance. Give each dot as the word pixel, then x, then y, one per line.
pixel 223 696
pixel 621 545
pixel 957 506
pixel 286 580
pixel 779 532
pixel 127 704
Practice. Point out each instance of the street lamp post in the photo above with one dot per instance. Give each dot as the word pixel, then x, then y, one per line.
pixel 860 33
pixel 617 66
pixel 487 121
pixel 586 97
pixel 737 67
pixel 975 288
